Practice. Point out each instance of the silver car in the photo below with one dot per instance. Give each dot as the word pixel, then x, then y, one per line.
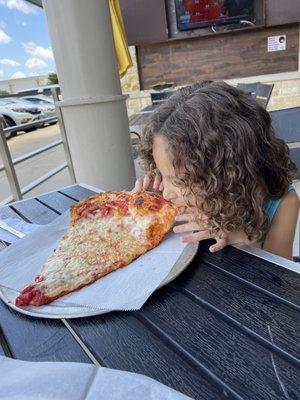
pixel 15 113
pixel 46 111
pixel 38 99
pixel 46 103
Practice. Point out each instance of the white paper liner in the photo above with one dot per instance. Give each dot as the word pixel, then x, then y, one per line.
pixel 76 381
pixel 19 225
pixel 125 289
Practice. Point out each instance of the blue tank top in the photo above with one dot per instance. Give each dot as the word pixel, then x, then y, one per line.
pixel 271 205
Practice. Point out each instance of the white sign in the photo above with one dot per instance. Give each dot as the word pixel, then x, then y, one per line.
pixel 276 43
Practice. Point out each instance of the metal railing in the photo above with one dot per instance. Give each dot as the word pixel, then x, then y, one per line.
pixel 9 164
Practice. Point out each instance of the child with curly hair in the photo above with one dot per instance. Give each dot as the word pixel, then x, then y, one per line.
pixel 210 148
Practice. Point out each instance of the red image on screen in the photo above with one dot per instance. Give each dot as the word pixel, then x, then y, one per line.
pixel 205 10
pixel 198 13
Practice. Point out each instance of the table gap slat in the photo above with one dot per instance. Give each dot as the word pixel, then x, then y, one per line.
pixel 237 300
pixel 274 278
pixel 36 339
pixel 228 353
pixel 120 341
pixel 87 350
pixel 19 214
pixel 265 342
pixel 48 206
pixel 254 286
pixel 67 196
pixel 7 212
pixel 77 192
pixel 4 347
pixel 35 212
pixel 56 201
pixel 187 356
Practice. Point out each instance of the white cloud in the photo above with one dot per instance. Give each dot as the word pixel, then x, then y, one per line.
pixel 4 38
pixel 1 72
pixel 9 63
pixel 18 75
pixel 19 5
pixel 35 63
pixel 38 51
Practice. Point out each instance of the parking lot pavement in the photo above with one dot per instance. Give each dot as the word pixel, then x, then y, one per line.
pixel 32 169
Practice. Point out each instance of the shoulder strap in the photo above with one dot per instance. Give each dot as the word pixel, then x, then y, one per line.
pixel 271 205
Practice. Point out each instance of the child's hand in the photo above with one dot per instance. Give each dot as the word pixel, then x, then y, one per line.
pixel 199 230
pixel 147 183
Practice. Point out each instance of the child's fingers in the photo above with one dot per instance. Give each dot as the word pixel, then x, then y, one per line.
pixel 146 182
pixel 221 243
pixel 138 185
pixel 184 217
pixel 157 182
pixel 189 227
pixel 161 187
pixel 195 237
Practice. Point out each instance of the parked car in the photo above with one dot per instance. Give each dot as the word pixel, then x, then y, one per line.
pixel 17 113
pixel 38 99
pixel 44 102
pixel 46 111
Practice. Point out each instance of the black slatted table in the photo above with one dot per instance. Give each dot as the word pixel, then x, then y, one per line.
pixel 227 328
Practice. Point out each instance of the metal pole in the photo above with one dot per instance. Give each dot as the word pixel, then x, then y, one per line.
pixel 93 107
pixel 8 165
pixel 63 135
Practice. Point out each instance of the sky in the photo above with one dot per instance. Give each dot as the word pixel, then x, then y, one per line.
pixel 25 48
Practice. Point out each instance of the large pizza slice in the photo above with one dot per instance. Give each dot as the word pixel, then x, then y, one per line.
pixel 108 231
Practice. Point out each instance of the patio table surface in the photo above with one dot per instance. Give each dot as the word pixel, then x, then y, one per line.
pixel 227 328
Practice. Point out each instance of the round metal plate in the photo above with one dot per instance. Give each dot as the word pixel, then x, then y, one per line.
pixel 55 311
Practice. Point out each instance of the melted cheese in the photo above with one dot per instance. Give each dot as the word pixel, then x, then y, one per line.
pixel 94 247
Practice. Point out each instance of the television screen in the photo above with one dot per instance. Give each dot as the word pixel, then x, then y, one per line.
pixel 193 14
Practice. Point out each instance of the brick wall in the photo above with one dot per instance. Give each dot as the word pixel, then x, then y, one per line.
pixel 286 91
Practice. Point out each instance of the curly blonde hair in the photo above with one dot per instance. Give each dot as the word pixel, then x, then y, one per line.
pixel 226 157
